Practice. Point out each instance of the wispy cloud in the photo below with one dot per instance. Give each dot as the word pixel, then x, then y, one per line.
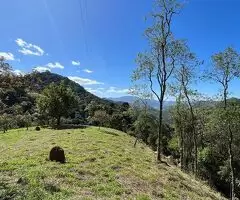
pixel 96 91
pixel 88 71
pixel 55 65
pixel 48 67
pixel 76 63
pixel 84 81
pixel 107 92
pixel 41 69
pixel 28 48
pixel 7 55
pixel 117 90
pixel 18 72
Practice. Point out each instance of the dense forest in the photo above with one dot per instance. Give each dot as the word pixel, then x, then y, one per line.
pixel 200 133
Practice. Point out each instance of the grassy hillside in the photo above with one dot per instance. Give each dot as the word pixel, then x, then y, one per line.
pixel 101 164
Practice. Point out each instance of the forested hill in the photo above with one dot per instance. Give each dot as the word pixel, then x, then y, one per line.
pixel 38 81
pixel 18 95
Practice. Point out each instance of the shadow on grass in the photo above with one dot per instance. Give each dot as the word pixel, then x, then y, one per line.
pixel 69 126
pixel 9 192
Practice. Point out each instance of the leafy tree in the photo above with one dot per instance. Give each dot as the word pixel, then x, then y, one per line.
pixel 5 68
pixel 215 166
pixel 6 122
pixel 57 101
pixel 100 117
pixel 185 75
pixel 27 120
pixel 145 129
pixel 226 66
pixel 158 63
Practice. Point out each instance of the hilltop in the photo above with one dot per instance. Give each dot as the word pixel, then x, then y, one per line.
pixel 101 164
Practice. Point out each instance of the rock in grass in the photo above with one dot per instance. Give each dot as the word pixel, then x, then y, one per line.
pixel 37 128
pixel 57 154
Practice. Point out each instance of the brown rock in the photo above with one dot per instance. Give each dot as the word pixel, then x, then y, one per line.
pixel 57 154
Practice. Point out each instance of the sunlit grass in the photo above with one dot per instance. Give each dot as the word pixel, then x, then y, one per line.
pixel 101 164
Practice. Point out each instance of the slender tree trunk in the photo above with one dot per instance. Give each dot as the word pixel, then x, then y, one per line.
pixel 230 152
pixel 233 178
pixel 181 150
pixel 135 143
pixel 159 146
pixel 195 168
pixel 58 120
pixel 195 154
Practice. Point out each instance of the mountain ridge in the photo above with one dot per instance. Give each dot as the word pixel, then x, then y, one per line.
pixel 131 99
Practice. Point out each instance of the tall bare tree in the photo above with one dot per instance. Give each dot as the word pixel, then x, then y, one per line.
pixel 157 64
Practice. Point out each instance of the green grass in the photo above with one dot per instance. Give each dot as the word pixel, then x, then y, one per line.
pixel 101 164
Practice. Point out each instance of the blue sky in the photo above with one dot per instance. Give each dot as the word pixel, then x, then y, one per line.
pixel 95 42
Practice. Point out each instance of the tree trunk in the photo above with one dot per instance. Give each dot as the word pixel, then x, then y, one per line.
pixel 232 192
pixel 159 146
pixel 230 153
pixel 181 150
pixel 58 120
pixel 135 143
pixel 195 168
pixel 195 154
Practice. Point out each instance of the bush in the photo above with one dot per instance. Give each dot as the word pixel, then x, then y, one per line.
pixel 37 128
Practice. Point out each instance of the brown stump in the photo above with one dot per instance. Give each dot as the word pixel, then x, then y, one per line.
pixel 57 154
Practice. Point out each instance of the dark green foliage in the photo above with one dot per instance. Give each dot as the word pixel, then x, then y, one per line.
pixel 57 101
pixel 18 96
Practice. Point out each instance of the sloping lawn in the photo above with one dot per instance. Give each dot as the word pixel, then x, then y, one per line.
pixel 101 164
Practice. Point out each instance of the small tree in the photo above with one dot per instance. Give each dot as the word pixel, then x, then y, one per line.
pixel 5 122
pixel 100 117
pixel 57 101
pixel 27 120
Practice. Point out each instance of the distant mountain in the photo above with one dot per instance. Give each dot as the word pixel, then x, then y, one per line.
pixel 132 99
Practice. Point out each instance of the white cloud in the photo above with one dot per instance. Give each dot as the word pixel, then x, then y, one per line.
pixel 55 65
pixel 7 55
pixel 48 67
pixel 95 91
pixel 108 92
pixel 84 81
pixel 41 69
pixel 76 63
pixel 28 48
pixel 88 71
pixel 117 90
pixel 18 72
